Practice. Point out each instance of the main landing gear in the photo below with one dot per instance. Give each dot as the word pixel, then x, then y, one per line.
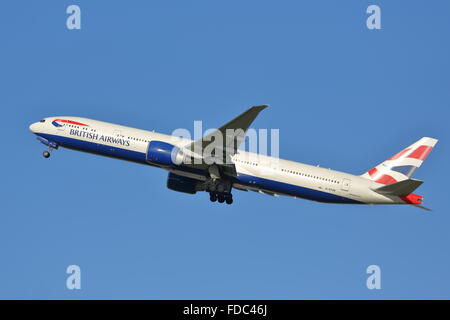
pixel 221 197
pixel 219 189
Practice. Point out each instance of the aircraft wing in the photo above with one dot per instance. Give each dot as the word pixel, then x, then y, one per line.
pixel 232 134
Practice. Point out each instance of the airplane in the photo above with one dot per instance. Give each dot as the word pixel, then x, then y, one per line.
pixel 387 183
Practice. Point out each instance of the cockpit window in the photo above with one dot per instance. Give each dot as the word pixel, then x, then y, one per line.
pixel 43 120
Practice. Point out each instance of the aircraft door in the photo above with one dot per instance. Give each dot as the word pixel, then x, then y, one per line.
pixel 116 135
pixel 346 184
pixel 274 165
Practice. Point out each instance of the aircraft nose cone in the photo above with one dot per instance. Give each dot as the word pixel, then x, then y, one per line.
pixel 33 127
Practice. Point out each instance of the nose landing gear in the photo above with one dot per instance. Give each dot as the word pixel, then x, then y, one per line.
pixel 50 144
pixel 46 154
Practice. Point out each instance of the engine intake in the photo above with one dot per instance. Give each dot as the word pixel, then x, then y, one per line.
pixel 163 154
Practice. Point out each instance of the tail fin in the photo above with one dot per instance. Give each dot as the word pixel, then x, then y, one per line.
pixel 402 166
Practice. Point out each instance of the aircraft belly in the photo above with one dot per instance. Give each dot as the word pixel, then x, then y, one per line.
pixel 285 188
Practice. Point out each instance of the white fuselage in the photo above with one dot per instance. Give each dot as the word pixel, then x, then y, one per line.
pixel 255 172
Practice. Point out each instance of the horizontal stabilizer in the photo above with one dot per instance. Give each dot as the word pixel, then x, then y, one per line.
pixel 401 188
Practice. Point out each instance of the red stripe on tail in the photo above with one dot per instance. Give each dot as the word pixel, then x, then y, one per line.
pixel 398 155
pixel 386 179
pixel 421 152
pixel 381 178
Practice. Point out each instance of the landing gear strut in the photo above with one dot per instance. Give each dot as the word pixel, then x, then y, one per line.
pixel 219 189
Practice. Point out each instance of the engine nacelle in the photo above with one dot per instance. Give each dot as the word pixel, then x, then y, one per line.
pixel 181 184
pixel 164 154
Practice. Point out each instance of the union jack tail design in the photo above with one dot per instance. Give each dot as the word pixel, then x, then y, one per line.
pixel 402 165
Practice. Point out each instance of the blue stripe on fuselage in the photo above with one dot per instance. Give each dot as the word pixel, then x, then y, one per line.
pixel 108 151
pixel 293 190
pixel 252 181
pixel 96 148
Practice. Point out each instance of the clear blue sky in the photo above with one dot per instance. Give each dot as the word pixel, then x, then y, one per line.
pixel 342 96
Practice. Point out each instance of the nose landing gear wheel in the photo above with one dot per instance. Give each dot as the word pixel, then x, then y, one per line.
pixel 213 197
pixel 220 198
pixel 46 154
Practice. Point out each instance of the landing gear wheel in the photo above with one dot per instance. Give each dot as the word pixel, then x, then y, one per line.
pixel 220 198
pixel 213 197
pixel 229 199
pixel 46 154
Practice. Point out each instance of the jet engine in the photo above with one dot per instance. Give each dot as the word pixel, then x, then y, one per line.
pixel 182 184
pixel 164 154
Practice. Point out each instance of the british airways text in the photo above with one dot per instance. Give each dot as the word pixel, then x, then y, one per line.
pixel 97 137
